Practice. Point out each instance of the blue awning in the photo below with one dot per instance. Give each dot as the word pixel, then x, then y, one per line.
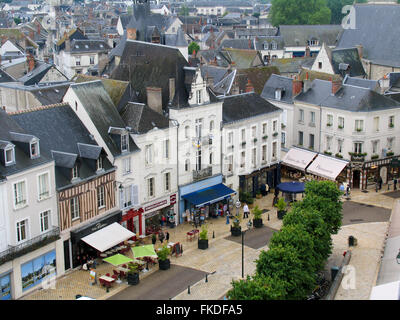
pixel 209 195
pixel 291 187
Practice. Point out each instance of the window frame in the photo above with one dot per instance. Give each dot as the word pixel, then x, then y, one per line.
pixel 101 196
pixel 26 230
pixel 40 195
pixel 75 208
pixel 48 220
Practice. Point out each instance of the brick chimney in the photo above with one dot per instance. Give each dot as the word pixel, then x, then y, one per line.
pixel 154 98
pixel 31 62
pixel 131 33
pixel 336 85
pixel 249 86
pixel 306 83
pixel 297 86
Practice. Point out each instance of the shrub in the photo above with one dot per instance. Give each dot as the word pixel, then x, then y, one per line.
pixel 163 253
pixel 281 204
pixel 203 233
pixel 257 212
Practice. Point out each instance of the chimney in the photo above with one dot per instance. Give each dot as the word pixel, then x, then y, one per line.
pixel 297 85
pixel 306 83
pixel 154 98
pixel 360 50
pixel 249 86
pixel 335 86
pixel 308 52
pixel 171 89
pixel 131 33
pixel 31 62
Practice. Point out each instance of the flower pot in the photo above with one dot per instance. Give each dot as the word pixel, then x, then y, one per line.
pixel 281 214
pixel 133 278
pixel 257 223
pixel 164 264
pixel 202 244
pixel 258 195
pixel 236 232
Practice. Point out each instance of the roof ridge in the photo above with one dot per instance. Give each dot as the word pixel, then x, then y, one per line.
pixel 38 108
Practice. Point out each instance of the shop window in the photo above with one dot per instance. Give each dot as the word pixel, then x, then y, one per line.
pixel 38 270
pixel 5 285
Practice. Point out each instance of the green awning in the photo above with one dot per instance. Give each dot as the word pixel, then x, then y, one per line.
pixel 144 251
pixel 118 259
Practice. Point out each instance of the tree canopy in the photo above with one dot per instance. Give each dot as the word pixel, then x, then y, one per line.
pixel 193 46
pixel 293 12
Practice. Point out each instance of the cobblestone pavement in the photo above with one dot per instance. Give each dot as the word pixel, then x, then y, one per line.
pixel 224 257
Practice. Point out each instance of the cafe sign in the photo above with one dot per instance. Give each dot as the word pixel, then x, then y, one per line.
pixel 395 163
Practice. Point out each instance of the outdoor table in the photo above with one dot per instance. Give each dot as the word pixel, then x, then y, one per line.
pixel 190 235
pixel 109 280
pixel 126 270
pixel 103 255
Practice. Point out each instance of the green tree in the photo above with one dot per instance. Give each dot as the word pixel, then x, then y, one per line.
pixel 299 12
pixel 17 20
pixel 258 288
pixel 193 46
pixel 336 10
pixel 184 11
pixel 285 263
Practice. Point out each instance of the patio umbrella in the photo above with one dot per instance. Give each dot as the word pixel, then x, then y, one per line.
pixel 118 259
pixel 144 251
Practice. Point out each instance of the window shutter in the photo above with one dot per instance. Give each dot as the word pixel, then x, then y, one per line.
pixel 121 198
pixel 135 195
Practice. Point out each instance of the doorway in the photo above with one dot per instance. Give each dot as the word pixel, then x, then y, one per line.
pixel 356 179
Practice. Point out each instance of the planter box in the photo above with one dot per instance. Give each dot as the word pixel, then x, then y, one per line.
pixel 281 214
pixel 164 264
pixel 236 232
pixel 202 244
pixel 133 278
pixel 257 223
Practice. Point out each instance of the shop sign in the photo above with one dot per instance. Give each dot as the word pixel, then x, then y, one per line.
pixel 395 163
pixel 155 205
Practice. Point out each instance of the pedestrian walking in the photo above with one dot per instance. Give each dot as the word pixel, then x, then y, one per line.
pixel 196 221
pixel 380 182
pixel 167 236
pixel 225 208
pixel 161 236
pixel 245 211
pixel 376 186
pixel 395 184
pixel 348 190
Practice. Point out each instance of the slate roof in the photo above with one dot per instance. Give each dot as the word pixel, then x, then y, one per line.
pixel 357 99
pixel 50 94
pixel 298 35
pixel 363 83
pixel 217 73
pixel 65 139
pixel 152 65
pixel 317 93
pixel 278 82
pixel 5 77
pixel 348 56
pixel 377 35
pixel 37 74
pixel 23 161
pixel 102 112
pixel 243 106
pixel 81 46
pixel 141 118
pixel 292 65
pixel 243 59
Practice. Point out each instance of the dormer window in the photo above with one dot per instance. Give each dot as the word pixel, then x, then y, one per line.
pixel 124 142
pixel 278 94
pixel 274 46
pixel 34 149
pixel 75 172
pixel 99 164
pixel 9 156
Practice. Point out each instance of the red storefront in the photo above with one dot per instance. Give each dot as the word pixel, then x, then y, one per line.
pixel 132 220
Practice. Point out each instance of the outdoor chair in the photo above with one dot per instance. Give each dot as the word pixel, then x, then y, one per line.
pixel 116 272
pixel 115 277
pixel 102 282
pixel 122 274
pixel 108 275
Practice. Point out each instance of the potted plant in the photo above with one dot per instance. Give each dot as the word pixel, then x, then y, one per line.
pixel 255 140
pixel 243 143
pixel 258 194
pixel 236 229
pixel 327 152
pixel 163 261
pixel 340 127
pixel 153 238
pixel 275 134
pixel 338 155
pixel 374 156
pixel 133 274
pixel 203 238
pixel 281 206
pixel 265 137
pixel 257 220
pixel 390 153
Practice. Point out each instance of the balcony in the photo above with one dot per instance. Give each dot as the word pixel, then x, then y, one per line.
pixel 358 157
pixel 202 174
pixel 30 245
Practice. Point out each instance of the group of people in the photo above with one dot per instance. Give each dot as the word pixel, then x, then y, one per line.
pixel 161 236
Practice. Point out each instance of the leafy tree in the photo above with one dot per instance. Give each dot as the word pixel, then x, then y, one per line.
pixel 326 189
pixel 299 12
pixel 193 46
pixel 258 288
pixel 184 11
pixel 285 263
pixel 17 20
pixel 336 10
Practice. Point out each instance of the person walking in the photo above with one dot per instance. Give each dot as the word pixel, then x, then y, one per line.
pixel 167 236
pixel 395 184
pixel 245 211
pixel 380 182
pixel 161 236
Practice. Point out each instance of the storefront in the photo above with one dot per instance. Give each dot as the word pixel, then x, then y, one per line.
pixel 295 162
pixel 370 171
pixel 79 248
pixel 133 221
pixel 328 168
pixel 5 284
pixel 203 198
pixel 154 212
pixel 252 182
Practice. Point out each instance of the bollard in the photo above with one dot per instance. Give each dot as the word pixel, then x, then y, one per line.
pixel 213 235
pixel 188 289
pixel 206 277
pixel 268 216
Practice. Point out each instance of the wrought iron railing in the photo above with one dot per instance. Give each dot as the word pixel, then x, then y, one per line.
pixel 30 245
pixel 203 173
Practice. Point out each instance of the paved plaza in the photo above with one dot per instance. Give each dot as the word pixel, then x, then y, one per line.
pixel 222 260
